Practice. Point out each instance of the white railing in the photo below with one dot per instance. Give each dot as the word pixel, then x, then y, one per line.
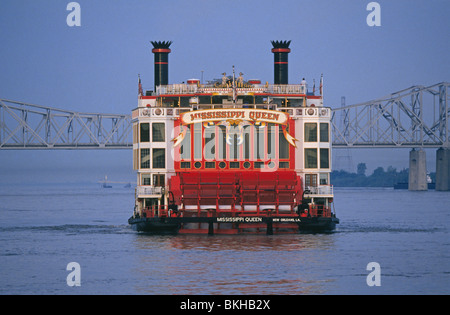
pixel 149 190
pixel 287 88
pixel 320 190
pixel 210 88
pixel 176 89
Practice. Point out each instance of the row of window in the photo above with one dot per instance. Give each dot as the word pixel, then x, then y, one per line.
pixel 311 179
pixel 157 159
pixel 311 132
pixel 157 134
pixel 235 144
pixel 263 145
pixel 158 180
pixel 312 161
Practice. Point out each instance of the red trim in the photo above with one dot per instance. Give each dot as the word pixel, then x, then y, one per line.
pixel 281 62
pixel 177 157
pixel 314 97
pixel 211 94
pixel 160 50
pixel 292 148
pixel 240 160
pixel 161 63
pixel 285 50
pixel 281 95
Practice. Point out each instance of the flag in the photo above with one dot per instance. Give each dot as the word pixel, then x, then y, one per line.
pixel 140 87
pixel 314 86
pixel 321 85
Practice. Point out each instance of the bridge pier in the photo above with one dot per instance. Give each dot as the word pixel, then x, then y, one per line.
pixel 417 170
pixel 443 169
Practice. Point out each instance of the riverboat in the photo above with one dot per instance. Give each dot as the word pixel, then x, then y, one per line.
pixel 233 155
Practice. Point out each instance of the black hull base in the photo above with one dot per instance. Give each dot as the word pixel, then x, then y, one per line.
pixel 173 225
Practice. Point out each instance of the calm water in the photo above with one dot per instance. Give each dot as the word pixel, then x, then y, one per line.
pixel 44 228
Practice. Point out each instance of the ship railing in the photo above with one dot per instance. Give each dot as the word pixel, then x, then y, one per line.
pixel 319 190
pixel 319 211
pixel 209 88
pixel 287 88
pixel 160 211
pixel 149 190
pixel 176 89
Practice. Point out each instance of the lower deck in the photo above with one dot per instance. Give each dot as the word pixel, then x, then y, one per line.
pixel 233 225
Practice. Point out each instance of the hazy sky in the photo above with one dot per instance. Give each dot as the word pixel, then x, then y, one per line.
pixel 94 67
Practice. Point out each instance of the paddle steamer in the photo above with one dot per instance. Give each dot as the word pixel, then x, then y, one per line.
pixel 232 156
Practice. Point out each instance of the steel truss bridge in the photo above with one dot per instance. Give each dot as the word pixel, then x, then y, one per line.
pixel 27 126
pixel 416 117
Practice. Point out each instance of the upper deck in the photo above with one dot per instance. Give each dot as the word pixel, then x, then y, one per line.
pixel 241 89
pixel 244 95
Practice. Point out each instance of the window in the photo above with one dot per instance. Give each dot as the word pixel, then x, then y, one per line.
pixel 146 179
pixel 324 133
pixel 145 132
pixel 145 158
pixel 185 165
pixel 323 178
pixel 198 141
pixel 283 145
pixel 234 164
pixel 310 158
pixel 158 180
pixel 185 148
pixel 324 158
pixel 270 141
pixel 210 143
pixel 258 165
pixel 311 180
pixel 259 143
pixel 310 132
pixel 150 202
pixel 247 142
pixel 159 158
pixel 222 143
pixel 235 148
pixel 158 132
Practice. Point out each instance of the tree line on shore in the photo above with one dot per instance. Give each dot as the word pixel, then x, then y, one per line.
pixel 379 177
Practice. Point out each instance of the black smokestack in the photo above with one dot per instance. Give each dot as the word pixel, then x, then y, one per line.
pixel 161 51
pixel 280 53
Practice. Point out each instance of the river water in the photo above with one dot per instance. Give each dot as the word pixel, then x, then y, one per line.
pixel 44 228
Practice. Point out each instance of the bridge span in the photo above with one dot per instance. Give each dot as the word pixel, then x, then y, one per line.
pixel 415 118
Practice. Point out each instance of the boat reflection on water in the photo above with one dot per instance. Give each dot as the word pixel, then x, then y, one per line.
pixel 201 264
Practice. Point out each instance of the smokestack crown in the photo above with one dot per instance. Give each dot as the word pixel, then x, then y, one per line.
pixel 280 52
pixel 281 46
pixel 161 46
